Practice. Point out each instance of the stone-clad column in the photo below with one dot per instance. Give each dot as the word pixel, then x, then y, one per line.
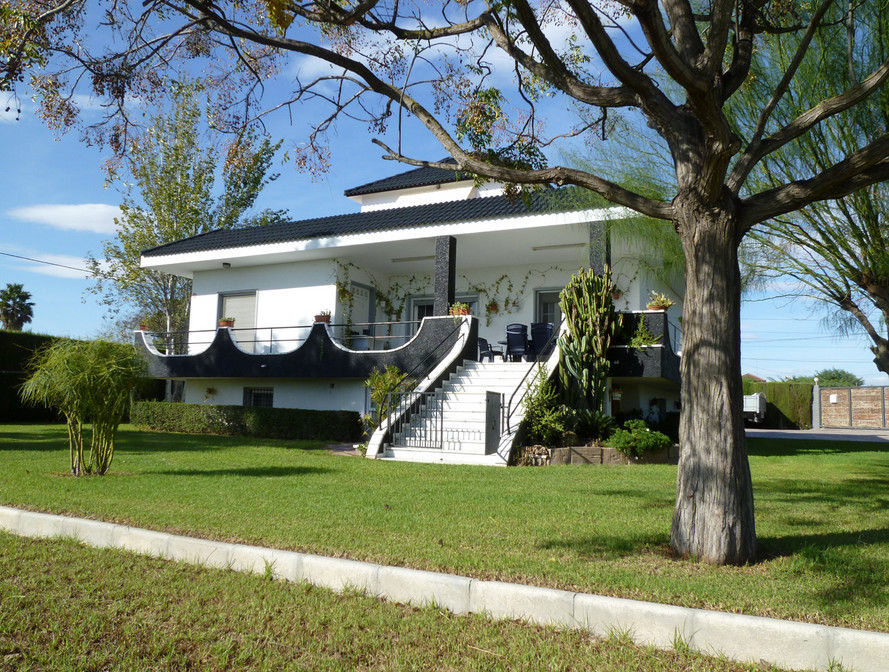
pixel 445 273
pixel 600 247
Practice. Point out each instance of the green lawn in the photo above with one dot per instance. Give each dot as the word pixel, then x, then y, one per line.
pixel 67 607
pixel 822 515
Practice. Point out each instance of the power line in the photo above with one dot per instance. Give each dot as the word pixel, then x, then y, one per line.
pixel 48 263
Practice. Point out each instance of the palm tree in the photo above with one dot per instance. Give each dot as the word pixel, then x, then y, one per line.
pixel 16 307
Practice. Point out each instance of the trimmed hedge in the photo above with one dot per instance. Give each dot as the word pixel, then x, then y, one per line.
pixel 271 423
pixel 789 404
pixel 16 350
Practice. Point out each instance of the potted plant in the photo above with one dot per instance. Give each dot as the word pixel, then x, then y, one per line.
pixel 459 309
pixel 492 308
pixel 143 326
pixel 323 316
pixel 616 294
pixel 657 301
pixel 227 322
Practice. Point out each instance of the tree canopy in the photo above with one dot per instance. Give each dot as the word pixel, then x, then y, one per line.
pixel 835 252
pixel 16 307
pixel 169 186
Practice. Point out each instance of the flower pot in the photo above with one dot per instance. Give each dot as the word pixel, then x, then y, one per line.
pixel 459 311
pixel 616 295
pixel 143 327
pixel 655 307
pixel 322 318
pixel 227 323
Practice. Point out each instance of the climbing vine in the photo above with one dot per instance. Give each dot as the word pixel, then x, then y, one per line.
pixel 391 297
pixel 504 295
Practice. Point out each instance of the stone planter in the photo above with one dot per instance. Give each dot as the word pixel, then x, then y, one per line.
pixel 606 455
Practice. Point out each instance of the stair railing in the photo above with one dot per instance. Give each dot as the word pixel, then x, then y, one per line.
pixel 542 355
pixel 405 403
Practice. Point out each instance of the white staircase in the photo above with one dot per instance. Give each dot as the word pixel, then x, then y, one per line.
pixel 449 426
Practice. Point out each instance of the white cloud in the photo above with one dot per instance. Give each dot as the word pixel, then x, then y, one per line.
pixel 94 217
pixel 66 268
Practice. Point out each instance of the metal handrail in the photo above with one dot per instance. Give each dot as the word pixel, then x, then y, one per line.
pixel 409 397
pixel 174 343
pixel 508 409
pixel 286 326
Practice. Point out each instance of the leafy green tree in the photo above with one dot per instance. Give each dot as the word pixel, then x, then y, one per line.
pixel 169 194
pixel 827 378
pixel 88 382
pixel 837 378
pixel 835 252
pixel 16 307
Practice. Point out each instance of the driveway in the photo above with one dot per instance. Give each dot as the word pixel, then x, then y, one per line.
pixel 873 435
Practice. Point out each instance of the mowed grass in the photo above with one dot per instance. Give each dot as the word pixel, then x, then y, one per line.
pixel 67 607
pixel 822 516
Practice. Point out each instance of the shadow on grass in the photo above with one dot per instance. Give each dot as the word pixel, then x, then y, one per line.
pixel 790 447
pixel 852 576
pixel 246 471
pixel 42 437
pixel 610 547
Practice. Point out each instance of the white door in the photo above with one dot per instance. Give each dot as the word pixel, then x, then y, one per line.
pixel 242 307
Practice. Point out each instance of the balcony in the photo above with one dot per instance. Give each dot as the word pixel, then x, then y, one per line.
pixel 305 351
pixel 660 360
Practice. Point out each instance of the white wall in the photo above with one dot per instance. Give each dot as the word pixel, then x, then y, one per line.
pixel 323 394
pixel 286 295
pixel 435 193
pixel 636 280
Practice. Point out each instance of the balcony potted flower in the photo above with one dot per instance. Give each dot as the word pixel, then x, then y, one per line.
pixel 458 309
pixel 658 301
pixel 227 322
pixel 323 316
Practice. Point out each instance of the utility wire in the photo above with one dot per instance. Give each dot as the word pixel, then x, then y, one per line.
pixel 44 261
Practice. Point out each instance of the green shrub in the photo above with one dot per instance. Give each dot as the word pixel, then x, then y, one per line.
pixel 386 388
pixel 789 404
pixel 635 439
pixel 594 425
pixel 546 418
pixel 88 382
pixel 271 423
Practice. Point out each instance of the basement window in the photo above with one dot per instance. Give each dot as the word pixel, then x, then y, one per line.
pixel 259 396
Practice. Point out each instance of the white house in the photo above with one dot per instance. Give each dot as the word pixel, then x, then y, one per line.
pixel 420 240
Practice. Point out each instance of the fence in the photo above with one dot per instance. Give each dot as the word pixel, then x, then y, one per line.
pixel 850 407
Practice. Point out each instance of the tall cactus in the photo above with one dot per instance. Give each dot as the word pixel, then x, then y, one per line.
pixel 592 321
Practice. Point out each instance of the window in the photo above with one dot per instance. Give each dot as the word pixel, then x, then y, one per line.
pixel 422 307
pixel 547 309
pixel 259 396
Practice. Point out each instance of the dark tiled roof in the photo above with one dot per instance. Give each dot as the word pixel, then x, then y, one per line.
pixel 366 222
pixel 419 177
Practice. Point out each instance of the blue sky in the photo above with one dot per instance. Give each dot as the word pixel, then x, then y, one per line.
pixel 54 206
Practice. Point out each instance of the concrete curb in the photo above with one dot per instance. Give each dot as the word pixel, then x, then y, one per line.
pixel 787 644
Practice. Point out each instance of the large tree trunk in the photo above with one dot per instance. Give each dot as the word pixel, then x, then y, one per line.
pixel 713 518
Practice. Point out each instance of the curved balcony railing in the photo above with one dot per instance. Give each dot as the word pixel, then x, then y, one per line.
pixel 320 353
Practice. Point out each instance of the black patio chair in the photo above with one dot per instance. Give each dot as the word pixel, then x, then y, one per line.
pixel 540 335
pixel 516 341
pixel 486 350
